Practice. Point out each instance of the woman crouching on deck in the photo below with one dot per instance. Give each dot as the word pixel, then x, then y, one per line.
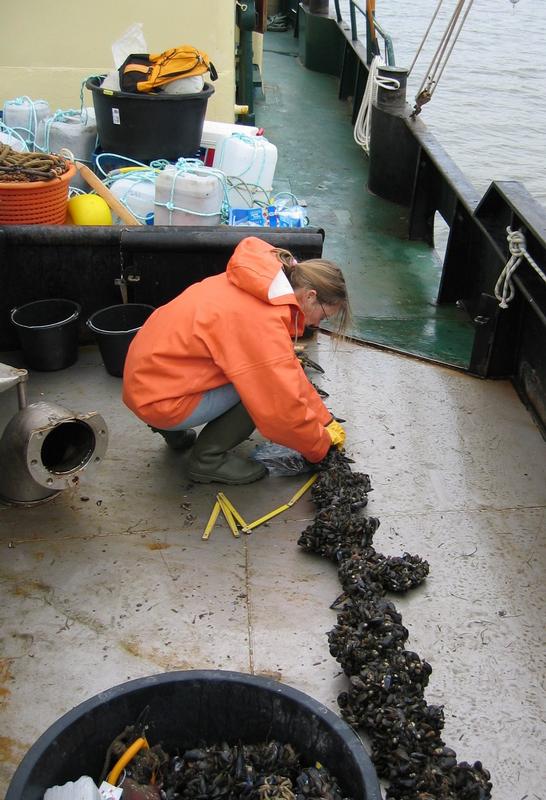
pixel 222 353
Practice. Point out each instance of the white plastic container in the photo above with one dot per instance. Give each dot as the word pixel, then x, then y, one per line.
pixel 24 115
pixel 82 789
pixel 252 159
pixel 136 191
pixel 188 197
pixel 189 85
pixel 13 139
pixel 69 130
pixel 214 134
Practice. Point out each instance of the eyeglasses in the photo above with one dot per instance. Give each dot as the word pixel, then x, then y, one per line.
pixel 324 314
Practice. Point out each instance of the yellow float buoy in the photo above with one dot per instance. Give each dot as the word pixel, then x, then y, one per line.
pixel 89 209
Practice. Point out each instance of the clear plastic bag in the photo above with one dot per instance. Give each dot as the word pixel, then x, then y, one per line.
pixel 280 460
pixel 131 41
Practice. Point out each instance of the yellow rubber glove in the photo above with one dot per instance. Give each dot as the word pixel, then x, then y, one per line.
pixel 337 433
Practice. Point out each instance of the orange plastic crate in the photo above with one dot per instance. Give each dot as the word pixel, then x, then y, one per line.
pixel 35 203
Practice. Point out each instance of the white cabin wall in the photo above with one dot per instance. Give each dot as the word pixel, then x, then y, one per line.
pixel 48 50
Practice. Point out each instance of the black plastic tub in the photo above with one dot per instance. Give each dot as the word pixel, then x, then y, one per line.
pixel 192 708
pixel 149 126
pixel 48 333
pixel 114 328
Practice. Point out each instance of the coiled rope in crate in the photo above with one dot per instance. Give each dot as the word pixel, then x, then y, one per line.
pixel 24 167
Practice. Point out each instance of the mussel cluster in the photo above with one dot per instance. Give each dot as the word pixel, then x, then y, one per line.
pixel 267 771
pixel 385 697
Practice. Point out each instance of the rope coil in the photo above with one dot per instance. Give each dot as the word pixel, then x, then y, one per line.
pixel 504 288
pixel 361 132
pixel 18 167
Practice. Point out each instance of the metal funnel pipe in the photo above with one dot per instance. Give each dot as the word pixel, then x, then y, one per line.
pixel 45 448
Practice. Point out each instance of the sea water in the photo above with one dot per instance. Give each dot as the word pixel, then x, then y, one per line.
pixel 489 109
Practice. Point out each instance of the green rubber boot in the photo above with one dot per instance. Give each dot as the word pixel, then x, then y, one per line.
pixel 177 440
pixel 210 460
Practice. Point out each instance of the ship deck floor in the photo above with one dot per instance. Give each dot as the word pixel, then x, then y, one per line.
pixel 393 282
pixel 111 581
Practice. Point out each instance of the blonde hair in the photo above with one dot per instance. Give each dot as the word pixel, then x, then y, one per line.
pixel 324 277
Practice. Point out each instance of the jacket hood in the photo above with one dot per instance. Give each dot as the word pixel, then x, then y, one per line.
pixel 255 269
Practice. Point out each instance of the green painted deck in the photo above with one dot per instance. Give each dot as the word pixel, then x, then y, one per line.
pixel 393 282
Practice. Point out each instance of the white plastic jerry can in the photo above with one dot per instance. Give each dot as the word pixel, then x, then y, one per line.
pixel 69 130
pixel 251 158
pixel 188 196
pixel 214 134
pixel 136 190
pixel 24 115
pixel 10 137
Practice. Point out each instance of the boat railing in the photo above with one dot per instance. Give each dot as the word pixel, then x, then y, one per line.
pixel 407 165
pixel 509 337
pixel 371 39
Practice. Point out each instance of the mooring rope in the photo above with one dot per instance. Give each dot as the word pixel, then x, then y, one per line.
pixel 504 288
pixel 442 54
pixel 361 132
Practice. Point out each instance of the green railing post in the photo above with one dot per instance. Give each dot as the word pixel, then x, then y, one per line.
pixel 371 50
pixel 389 48
pixel 354 34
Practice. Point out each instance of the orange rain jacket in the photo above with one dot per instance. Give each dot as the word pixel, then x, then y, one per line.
pixel 230 328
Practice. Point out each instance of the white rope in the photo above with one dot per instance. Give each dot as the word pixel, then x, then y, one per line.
pixel 442 54
pixel 504 288
pixel 361 132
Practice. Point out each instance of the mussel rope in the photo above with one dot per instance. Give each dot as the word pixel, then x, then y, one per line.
pixel 23 167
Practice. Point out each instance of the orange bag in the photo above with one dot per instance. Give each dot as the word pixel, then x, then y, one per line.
pixel 145 72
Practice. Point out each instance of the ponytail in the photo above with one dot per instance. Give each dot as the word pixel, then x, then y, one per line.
pixel 325 277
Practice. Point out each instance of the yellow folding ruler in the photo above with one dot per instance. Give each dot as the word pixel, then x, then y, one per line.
pixel 234 518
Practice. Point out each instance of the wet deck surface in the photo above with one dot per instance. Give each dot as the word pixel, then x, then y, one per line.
pixel 393 282
pixel 112 581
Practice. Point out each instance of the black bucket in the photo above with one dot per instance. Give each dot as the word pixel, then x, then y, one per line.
pixel 149 126
pixel 114 328
pixel 48 333
pixel 188 710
